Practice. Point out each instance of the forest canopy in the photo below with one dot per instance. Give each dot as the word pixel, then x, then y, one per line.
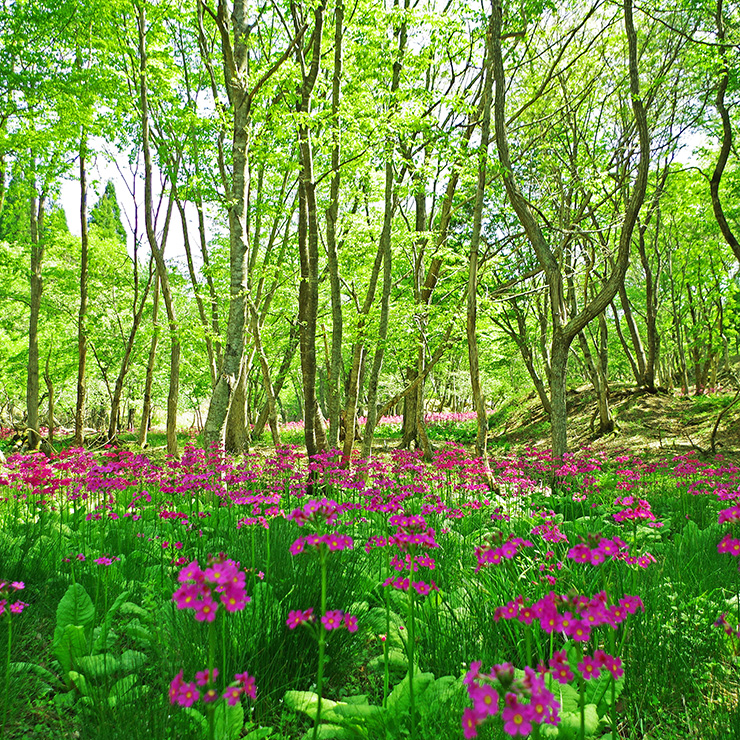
pixel 326 212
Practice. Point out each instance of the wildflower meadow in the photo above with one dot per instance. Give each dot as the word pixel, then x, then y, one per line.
pixel 273 596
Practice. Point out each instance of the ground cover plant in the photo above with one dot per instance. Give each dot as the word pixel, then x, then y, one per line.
pixel 273 596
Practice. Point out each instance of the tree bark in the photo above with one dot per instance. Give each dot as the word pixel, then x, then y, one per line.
pixel 82 312
pixel 154 245
pixel 146 409
pixel 37 206
pixel 565 328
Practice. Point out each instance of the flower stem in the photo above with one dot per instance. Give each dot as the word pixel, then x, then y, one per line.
pixel 322 641
pixel 7 674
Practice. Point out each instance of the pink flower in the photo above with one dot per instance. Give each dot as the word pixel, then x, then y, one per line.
pixel 187 695
pixel 248 684
pixel 232 695
pixel 332 619
pixel 589 668
pixel 350 622
pixel 470 722
pixel 517 717
pixel 485 699
pixel 203 677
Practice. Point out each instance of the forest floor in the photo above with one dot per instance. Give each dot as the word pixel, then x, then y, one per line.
pixel 646 424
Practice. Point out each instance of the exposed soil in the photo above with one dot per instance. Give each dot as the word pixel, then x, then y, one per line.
pixel 648 424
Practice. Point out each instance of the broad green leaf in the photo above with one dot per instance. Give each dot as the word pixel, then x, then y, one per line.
pixel 98 666
pixel 229 721
pixel 39 671
pixel 398 699
pixel 398 662
pixel 570 723
pixel 331 732
pixel 70 644
pixel 132 660
pixel 123 691
pixel 307 702
pixel 75 607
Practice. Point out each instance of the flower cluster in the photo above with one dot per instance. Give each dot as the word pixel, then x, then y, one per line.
pixel 589 667
pixel 332 541
pixel 6 589
pixel 549 530
pixel 326 510
pixel 731 515
pixel 496 550
pixel 411 536
pixel 332 620
pixel 526 700
pixel 633 511
pixel 222 577
pixel 186 693
pixel 574 616
pixel 598 549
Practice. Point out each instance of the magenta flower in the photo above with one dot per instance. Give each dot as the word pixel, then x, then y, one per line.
pixel 517 717
pixel 485 699
pixel 350 622
pixel 589 668
pixel 203 677
pixel 232 695
pixel 187 695
pixel 297 617
pixel 332 619
pixel 470 722
pixel 248 684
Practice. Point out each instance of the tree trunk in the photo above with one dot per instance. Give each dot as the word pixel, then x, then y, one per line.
pixel 82 313
pixel 155 246
pixel 50 391
pixel 37 286
pixel 146 410
pixel 308 235
pixel 118 390
pixel 332 216
pixel 479 400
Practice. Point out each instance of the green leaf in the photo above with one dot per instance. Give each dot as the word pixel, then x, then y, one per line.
pixel 39 671
pixel 69 645
pixel 105 627
pixel 78 681
pixel 331 732
pixel 75 607
pixel 307 702
pixel 98 666
pixel 398 699
pixel 229 721
pixel 123 691
pixel 570 723
pixel 398 662
pixel 132 660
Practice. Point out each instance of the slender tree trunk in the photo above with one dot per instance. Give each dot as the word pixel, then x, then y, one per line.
pixel 332 216
pixel 207 329
pixel 385 245
pixel 146 410
pixel 479 400
pixel 50 391
pixel 37 286
pixel 565 328
pixel 281 377
pixel 125 362
pixel 154 245
pixel 639 352
pixel 82 313
pixel 727 135
pixel 265 367
pixel 308 236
